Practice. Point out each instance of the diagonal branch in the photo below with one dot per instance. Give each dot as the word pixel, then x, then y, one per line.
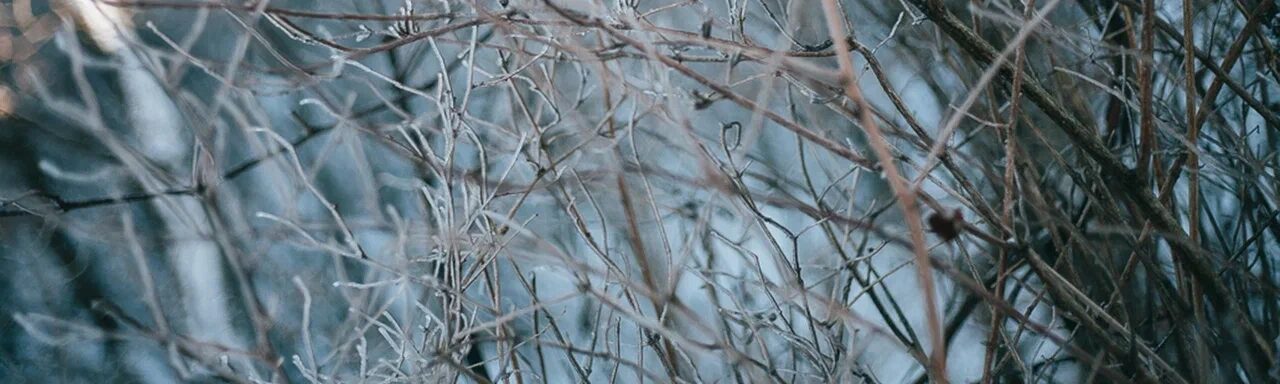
pixel 1195 259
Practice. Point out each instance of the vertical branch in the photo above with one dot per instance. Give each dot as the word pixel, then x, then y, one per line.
pixel 902 190
pixel 1193 130
pixel 1192 289
pixel 1007 204
pixel 1147 132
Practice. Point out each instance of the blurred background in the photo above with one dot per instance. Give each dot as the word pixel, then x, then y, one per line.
pixel 639 191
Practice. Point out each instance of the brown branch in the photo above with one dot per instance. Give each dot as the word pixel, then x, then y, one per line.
pixel 902 190
pixel 1198 261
